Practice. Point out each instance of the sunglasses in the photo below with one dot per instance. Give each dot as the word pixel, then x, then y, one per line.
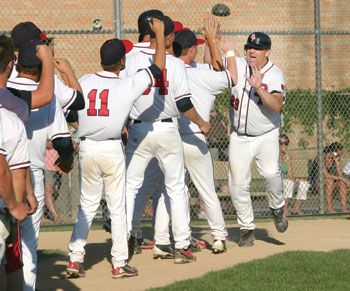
pixel 284 143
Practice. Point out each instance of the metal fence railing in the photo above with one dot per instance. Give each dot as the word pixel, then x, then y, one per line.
pixel 308 41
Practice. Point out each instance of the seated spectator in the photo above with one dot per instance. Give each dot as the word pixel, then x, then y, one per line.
pixel 333 176
pixel 288 179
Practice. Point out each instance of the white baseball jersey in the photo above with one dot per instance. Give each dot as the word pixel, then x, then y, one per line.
pixel 109 100
pixel 205 85
pixel 247 112
pixel 159 101
pixel 15 139
pixel 64 94
pixel 47 122
pixel 138 47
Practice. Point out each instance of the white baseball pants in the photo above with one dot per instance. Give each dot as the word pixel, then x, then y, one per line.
pixel 30 228
pixel 153 186
pixel 242 151
pixel 101 163
pixel 161 140
pixel 288 189
pixel 199 165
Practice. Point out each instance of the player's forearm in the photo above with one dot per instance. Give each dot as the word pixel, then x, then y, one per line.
pixel 273 101
pixel 19 183
pixel 207 57
pixel 72 81
pixel 159 58
pixel 232 68
pixel 215 55
pixel 29 185
pixel 44 94
pixel 193 115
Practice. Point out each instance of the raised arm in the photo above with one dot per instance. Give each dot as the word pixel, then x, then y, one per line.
pixel 67 73
pixel 44 94
pixel 158 27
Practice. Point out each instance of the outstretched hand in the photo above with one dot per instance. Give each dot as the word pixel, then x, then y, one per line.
pixel 256 79
pixel 210 29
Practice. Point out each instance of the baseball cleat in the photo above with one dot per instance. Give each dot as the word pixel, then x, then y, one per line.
pixel 197 245
pixel 75 270
pixel 124 272
pixel 219 246
pixel 280 220
pixel 247 237
pixel 145 243
pixel 183 256
pixel 163 252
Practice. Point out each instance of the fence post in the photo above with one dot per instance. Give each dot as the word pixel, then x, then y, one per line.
pixel 117 19
pixel 319 105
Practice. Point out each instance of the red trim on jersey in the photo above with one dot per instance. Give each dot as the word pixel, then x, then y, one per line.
pixel 240 106
pixel 183 96
pixel 116 77
pixel 17 83
pixel 268 69
pixel 150 76
pixel 147 53
pixel 27 163
pixel 70 100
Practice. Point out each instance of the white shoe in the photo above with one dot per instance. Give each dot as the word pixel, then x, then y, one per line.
pixel 202 215
pixel 219 246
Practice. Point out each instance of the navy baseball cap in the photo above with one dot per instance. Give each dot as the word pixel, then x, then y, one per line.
pixel 27 53
pixel 168 26
pixel 113 50
pixel 26 31
pixel 185 39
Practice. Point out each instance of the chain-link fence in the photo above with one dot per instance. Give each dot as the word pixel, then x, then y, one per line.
pixel 308 44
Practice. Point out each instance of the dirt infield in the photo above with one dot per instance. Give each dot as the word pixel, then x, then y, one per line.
pixel 320 235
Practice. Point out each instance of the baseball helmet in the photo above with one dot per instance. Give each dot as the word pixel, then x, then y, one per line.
pixel 258 40
pixel 144 19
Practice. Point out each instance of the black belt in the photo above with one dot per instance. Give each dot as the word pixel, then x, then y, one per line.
pixel 162 120
pixel 84 138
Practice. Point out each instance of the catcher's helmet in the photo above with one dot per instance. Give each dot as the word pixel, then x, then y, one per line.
pixel 258 40
pixel 144 19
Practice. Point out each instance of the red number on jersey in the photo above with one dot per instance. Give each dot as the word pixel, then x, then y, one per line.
pixel 103 111
pixel 160 82
pixel 257 95
pixel 234 102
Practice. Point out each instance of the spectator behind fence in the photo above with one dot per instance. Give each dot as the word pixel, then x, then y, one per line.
pixel 288 179
pixel 333 176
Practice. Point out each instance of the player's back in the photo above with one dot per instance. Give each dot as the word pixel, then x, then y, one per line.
pixel 109 100
pixel 44 122
pixel 159 101
pixel 204 84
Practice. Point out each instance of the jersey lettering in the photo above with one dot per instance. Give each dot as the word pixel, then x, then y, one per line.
pixel 103 111
pixel 234 102
pixel 257 95
pixel 160 82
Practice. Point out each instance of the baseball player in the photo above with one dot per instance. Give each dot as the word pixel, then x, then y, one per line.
pixel 101 154
pixel 154 133
pixel 45 122
pixel 7 194
pixel 255 105
pixel 69 96
pixel 15 139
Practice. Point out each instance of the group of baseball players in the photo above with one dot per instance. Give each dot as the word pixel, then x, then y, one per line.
pixel 142 123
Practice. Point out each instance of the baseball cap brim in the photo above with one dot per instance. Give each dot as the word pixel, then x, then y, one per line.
pixel 128 45
pixel 177 26
pixel 200 41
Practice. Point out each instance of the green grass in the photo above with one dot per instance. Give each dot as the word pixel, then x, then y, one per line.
pixel 293 270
